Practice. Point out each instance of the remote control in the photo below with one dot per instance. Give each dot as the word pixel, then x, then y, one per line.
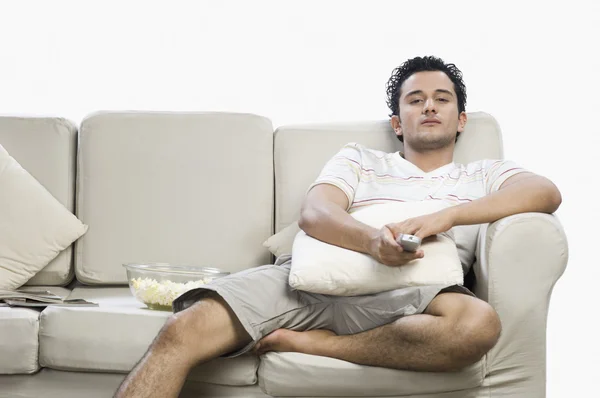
pixel 409 243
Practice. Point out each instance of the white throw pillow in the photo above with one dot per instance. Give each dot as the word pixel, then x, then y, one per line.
pixel 319 267
pixel 34 226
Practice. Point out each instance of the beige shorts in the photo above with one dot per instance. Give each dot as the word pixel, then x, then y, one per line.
pixel 263 301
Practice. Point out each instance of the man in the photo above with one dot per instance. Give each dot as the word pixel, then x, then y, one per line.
pixel 429 328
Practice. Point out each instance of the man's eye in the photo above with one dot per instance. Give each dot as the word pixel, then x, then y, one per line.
pixel 415 101
pixel 442 99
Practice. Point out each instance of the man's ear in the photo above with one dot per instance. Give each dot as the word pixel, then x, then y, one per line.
pixel 395 122
pixel 462 121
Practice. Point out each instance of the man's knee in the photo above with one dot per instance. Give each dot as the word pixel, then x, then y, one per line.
pixel 182 329
pixel 477 331
pixel 206 329
pixel 471 327
pixel 175 332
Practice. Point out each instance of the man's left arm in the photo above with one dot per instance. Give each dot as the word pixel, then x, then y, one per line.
pixel 521 193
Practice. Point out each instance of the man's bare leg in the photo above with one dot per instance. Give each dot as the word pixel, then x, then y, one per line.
pixel 455 331
pixel 199 333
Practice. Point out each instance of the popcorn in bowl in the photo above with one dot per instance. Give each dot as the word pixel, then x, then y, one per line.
pixel 160 294
pixel 157 285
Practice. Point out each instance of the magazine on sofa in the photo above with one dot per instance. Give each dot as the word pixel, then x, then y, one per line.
pixel 38 297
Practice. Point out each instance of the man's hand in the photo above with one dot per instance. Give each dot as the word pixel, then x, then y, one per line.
pixel 425 226
pixel 387 251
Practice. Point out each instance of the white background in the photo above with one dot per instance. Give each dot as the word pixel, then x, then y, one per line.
pixel 533 65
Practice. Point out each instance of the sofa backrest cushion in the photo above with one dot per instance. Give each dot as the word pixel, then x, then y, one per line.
pixel 46 148
pixel 301 152
pixel 192 189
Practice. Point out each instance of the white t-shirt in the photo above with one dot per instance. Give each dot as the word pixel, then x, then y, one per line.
pixel 370 177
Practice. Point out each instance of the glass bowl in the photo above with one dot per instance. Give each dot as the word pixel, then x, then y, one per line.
pixel 158 284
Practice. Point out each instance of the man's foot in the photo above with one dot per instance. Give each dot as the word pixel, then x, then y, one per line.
pixel 285 340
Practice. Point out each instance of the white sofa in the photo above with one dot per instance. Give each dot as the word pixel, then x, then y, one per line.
pixel 208 189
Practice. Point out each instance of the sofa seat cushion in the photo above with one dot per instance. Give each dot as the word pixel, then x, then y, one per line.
pixel 294 374
pixel 18 340
pixel 50 383
pixel 115 335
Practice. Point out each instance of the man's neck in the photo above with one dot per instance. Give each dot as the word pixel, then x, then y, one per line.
pixel 429 160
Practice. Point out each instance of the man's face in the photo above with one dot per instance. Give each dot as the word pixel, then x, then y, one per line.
pixel 428 117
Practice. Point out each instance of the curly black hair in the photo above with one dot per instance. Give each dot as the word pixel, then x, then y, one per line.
pixel 422 64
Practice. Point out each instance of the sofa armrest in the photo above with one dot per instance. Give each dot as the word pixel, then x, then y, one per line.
pixel 519 260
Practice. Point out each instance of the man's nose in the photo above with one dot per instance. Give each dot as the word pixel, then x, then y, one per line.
pixel 429 106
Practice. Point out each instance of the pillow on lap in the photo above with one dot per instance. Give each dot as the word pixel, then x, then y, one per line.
pixel 319 267
pixel 34 226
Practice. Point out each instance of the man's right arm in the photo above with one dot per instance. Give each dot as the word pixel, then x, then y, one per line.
pixel 324 217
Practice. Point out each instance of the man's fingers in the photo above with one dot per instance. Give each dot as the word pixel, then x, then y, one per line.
pixel 420 233
pixel 404 227
pixel 413 255
pixel 388 238
pixel 394 229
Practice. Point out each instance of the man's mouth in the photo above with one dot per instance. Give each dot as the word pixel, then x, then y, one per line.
pixel 430 121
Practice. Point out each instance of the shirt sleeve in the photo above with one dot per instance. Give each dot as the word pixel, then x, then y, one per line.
pixel 498 171
pixel 342 171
